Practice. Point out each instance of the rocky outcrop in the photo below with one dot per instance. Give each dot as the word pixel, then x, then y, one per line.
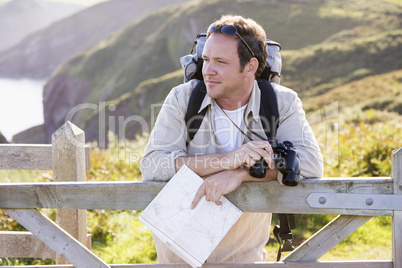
pixel 63 98
pixel 2 138
pixel 33 135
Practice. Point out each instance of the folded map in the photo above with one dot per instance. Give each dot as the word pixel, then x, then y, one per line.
pixel 190 233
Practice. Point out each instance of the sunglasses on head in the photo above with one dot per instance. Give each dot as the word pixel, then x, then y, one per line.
pixel 230 30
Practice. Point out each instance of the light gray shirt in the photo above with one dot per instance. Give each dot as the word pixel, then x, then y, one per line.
pixel 245 241
pixel 168 138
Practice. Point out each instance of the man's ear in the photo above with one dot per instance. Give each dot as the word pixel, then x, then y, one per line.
pixel 252 67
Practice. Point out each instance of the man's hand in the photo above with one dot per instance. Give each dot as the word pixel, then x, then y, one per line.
pixel 251 152
pixel 222 183
pixel 218 185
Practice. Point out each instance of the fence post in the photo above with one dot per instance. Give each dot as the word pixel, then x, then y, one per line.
pixel 68 153
pixel 397 219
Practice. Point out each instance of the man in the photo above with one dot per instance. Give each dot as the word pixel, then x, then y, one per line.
pixel 234 56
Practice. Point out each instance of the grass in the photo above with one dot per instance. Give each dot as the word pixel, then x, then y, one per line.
pixel 133 241
pixel 372 241
pixel 119 237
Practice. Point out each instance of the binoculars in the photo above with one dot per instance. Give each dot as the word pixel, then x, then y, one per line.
pixel 285 159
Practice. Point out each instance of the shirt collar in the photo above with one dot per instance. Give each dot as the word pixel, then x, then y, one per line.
pixel 254 103
pixel 253 106
pixel 207 101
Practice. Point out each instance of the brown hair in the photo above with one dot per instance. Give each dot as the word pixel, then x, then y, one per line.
pixel 252 33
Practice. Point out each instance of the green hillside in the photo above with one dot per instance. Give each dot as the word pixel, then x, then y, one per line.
pixel 325 45
pixel 381 92
pixel 315 69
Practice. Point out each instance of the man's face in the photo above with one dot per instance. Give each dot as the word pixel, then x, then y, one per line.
pixel 221 69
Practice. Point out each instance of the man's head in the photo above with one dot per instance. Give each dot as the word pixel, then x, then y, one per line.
pixel 251 36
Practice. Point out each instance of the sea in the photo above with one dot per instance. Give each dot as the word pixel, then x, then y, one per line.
pixel 21 105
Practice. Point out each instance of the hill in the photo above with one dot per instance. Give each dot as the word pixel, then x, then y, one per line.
pixel 372 99
pixel 316 69
pixel 20 18
pixel 38 55
pixel 325 45
pixel 381 92
pixel 2 138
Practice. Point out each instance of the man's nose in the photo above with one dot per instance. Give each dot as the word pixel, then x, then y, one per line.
pixel 208 69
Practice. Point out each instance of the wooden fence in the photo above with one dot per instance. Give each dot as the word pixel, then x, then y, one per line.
pixel 68 158
pixel 357 200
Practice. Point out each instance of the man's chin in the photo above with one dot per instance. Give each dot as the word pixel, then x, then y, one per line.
pixel 213 91
pixel 212 94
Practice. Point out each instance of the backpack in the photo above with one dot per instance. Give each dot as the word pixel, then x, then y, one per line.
pixel 192 63
pixel 192 66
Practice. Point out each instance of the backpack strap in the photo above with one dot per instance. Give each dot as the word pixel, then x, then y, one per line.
pixel 192 118
pixel 269 112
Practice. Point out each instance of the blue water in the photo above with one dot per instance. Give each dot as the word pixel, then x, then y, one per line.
pixel 20 105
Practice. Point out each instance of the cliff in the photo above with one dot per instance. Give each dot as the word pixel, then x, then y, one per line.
pixel 2 138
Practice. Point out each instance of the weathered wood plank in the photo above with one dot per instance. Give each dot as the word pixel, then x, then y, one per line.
pixel 56 238
pixel 341 264
pixel 30 157
pixel 25 157
pixel 355 201
pixel 249 197
pixel 397 219
pixel 68 154
pixel 326 238
pixel 23 245
pixel 276 198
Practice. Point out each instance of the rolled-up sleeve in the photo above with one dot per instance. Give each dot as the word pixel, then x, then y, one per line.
pixel 168 137
pixel 293 126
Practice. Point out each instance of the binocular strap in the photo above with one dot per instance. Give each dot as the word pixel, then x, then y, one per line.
pixel 283 234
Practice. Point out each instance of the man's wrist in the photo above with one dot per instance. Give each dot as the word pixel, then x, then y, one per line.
pixel 270 175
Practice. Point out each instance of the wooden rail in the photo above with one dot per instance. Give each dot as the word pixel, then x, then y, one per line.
pixel 249 197
pixel 361 198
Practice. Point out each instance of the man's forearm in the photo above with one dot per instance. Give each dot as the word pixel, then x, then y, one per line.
pixel 205 165
pixel 245 155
